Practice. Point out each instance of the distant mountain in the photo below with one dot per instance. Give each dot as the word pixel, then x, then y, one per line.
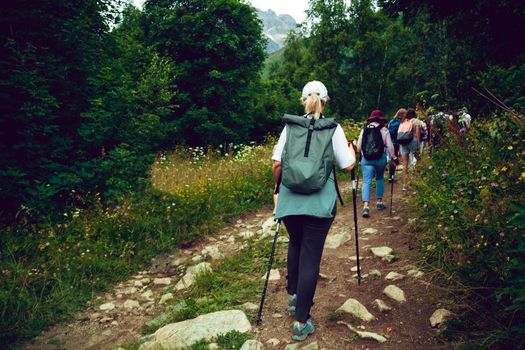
pixel 276 28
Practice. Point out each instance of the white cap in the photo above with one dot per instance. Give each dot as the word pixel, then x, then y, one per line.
pixel 315 87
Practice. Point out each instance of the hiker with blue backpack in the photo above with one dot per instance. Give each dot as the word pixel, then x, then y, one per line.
pixel 393 126
pixel 374 143
pixel 304 172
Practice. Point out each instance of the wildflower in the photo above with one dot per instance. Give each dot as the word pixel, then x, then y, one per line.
pixel 444 175
pixel 510 148
pixel 389 329
pixel 462 130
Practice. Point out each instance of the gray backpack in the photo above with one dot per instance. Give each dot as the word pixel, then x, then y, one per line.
pixel 308 155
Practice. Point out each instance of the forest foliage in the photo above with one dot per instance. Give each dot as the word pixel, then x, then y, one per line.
pixel 91 91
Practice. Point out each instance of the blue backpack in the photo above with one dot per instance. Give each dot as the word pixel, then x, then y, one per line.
pixel 393 126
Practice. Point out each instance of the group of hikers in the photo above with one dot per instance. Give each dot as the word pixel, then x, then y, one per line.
pixel 303 167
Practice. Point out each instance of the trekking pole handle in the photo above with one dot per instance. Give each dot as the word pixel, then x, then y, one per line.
pixel 352 177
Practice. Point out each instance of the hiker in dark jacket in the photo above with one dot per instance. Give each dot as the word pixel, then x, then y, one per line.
pixel 393 126
pixel 308 217
pixel 374 163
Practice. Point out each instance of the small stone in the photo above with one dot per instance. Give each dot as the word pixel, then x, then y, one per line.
pixel 396 218
pixel 382 306
pixel 178 262
pixel 274 275
pixel 381 251
pixel 375 273
pixel 213 346
pixel 370 231
pixel 231 239
pixel 312 346
pixel 166 281
pixel 277 315
pixel 250 306
pixel 107 307
pixel 395 293
pixel 145 281
pixel 334 241
pixel 283 239
pixel 354 269
pixel 440 317
pixel 197 258
pixel 323 276
pixel 356 309
pixel 415 273
pixel 148 295
pixel 273 342
pixel 388 258
pixel 95 315
pixel 246 234
pixel 130 290
pixel 138 284
pixel 131 304
pixel 114 323
pixel 252 345
pixel 364 335
pixel 107 333
pixel 105 319
pixel 394 276
pixel 166 297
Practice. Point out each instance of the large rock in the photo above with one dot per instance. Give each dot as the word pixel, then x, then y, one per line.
pixel 382 251
pixel 364 335
pixel 252 345
pixel 394 292
pixel 191 274
pixel 131 304
pixel 337 240
pixel 107 307
pixel 394 276
pixel 183 334
pixel 439 317
pixel 356 309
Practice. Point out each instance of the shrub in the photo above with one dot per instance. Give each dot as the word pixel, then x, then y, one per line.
pixel 471 214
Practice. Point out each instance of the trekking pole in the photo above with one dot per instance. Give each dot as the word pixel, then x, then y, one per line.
pixel 354 200
pixel 392 186
pixel 258 321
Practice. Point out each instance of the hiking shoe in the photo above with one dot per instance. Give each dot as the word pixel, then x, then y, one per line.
pixel 381 205
pixel 366 212
pixel 292 302
pixel 300 333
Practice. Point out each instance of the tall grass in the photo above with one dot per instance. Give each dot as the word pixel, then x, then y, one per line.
pixel 471 224
pixel 51 269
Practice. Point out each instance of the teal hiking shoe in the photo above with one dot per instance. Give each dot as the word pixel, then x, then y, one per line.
pixel 300 333
pixel 292 302
pixel 381 205
pixel 366 212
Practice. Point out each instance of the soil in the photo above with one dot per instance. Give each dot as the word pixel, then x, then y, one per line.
pixel 406 326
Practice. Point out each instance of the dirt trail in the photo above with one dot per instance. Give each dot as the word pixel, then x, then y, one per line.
pixel 406 326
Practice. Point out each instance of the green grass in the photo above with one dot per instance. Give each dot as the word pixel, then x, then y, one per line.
pixel 51 269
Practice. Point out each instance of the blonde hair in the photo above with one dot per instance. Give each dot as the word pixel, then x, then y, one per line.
pixel 313 104
pixel 401 113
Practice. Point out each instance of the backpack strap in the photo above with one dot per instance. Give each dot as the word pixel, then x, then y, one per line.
pixel 337 188
pixel 309 137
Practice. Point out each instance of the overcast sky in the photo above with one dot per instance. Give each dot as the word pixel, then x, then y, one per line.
pixel 294 8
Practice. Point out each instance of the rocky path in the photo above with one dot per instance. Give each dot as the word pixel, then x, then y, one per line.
pixel 390 309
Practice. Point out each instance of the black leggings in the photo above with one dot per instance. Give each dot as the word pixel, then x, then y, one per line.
pixel 307 237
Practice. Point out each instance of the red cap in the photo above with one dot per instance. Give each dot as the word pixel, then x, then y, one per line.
pixel 376 114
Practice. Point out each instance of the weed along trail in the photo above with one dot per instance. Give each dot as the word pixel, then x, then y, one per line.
pixel 208 293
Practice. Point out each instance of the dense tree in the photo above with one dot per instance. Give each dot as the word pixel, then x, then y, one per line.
pixel 218 48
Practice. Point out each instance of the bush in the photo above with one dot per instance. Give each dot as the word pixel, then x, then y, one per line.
pixel 470 210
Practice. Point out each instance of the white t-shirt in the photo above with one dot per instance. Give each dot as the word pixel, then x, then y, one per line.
pixel 342 154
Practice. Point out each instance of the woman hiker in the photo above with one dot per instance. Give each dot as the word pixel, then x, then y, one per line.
pixel 409 137
pixel 374 142
pixel 308 216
